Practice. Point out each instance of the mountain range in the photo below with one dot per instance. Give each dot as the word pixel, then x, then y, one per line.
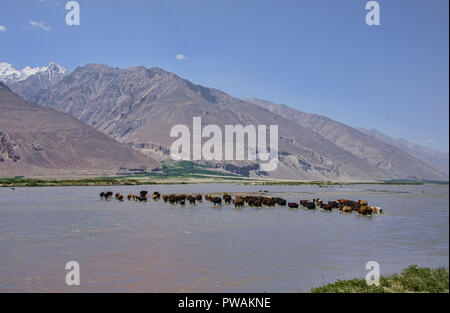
pixel 138 106
pixel 39 141
pixel 53 72
pixel 376 148
pixel 437 159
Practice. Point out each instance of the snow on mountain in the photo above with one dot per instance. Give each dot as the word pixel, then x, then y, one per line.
pixel 10 75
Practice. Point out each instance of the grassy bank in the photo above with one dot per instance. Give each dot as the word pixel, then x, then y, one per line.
pixel 182 172
pixel 170 179
pixel 411 279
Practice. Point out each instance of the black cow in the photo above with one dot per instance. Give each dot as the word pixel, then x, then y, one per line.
pixel 216 200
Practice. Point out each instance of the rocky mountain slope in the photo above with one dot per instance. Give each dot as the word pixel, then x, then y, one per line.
pixel 377 153
pixel 139 106
pixel 435 158
pixel 39 141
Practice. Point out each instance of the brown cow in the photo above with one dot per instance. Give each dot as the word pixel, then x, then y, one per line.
pixel 238 203
pixel 347 209
pixel 365 210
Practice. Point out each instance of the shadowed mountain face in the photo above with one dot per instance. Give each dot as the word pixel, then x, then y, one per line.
pixel 435 158
pixel 139 106
pixel 38 141
pixel 377 153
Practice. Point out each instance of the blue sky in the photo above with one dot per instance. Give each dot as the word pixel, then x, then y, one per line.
pixel 318 56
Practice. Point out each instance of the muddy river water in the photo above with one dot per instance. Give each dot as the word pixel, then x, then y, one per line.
pixel 156 247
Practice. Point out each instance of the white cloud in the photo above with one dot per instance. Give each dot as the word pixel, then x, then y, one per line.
pixel 181 57
pixel 40 25
pixel 2 28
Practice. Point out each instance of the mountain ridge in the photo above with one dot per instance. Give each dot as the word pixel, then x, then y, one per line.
pixel 39 141
pixel 139 105
pixel 436 158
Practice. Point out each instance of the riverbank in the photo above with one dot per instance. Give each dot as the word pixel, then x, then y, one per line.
pixel 410 280
pixel 150 180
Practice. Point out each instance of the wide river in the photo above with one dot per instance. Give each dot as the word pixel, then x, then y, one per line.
pixel 156 247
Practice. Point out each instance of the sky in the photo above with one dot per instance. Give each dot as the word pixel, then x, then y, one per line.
pixel 318 56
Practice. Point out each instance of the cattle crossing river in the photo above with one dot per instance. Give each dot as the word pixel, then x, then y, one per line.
pixel 157 247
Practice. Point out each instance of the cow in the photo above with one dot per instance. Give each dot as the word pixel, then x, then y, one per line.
pixel 198 198
pixel 303 202
pixel 227 198
pixel 191 199
pixel 141 199
pixel 216 200
pixel 377 210
pixel 257 203
pixel 280 201
pixel 362 202
pixel 333 204
pixel 365 210
pixel 347 209
pixel 238 203
pixel 156 195
pixel 293 205
pixel 269 201
pixel 310 205
pixel 108 194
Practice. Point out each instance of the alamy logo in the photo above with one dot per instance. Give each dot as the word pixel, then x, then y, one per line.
pixel 73 276
pixel 233 149
pixel 73 16
pixel 373 17
pixel 373 276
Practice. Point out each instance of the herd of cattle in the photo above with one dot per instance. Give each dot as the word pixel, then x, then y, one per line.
pixel 344 205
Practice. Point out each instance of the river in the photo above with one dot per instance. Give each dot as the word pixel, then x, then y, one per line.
pixel 156 247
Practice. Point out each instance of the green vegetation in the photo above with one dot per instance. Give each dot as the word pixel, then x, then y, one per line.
pixel 412 279
pixel 188 169
pixel 172 172
pixel 34 182
pixel 415 182
pixel 181 172
pixel 329 183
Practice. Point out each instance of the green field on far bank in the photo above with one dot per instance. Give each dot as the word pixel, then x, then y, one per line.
pixel 182 172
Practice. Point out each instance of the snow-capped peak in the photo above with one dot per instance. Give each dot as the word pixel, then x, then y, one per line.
pixel 10 75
